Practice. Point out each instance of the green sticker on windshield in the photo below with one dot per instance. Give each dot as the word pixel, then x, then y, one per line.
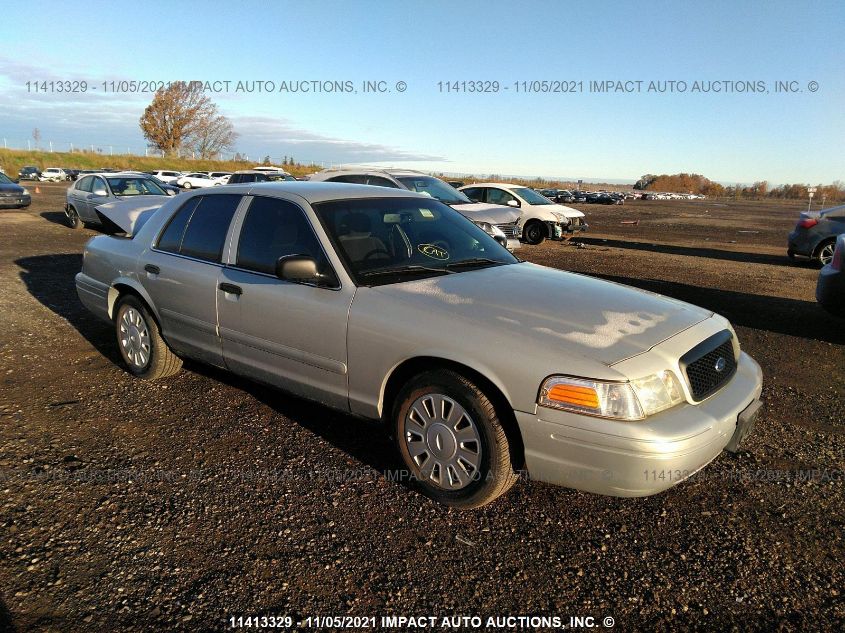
pixel 435 252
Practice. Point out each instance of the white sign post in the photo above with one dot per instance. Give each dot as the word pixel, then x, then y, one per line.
pixel 810 192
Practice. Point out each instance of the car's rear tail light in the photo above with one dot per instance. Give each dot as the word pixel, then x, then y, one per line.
pixel 807 223
pixel 836 262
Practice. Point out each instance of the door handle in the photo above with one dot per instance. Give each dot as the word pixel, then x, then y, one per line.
pixel 232 289
pixel 154 270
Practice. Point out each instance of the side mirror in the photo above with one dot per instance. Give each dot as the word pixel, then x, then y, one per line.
pixel 296 268
pixel 170 192
pixel 100 192
pixel 513 203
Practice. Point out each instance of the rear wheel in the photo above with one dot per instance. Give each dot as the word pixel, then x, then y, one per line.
pixel 143 350
pixel 452 441
pixel 73 220
pixel 824 252
pixel 187 185
pixel 534 232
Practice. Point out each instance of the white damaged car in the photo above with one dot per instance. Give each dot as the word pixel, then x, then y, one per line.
pixel 387 304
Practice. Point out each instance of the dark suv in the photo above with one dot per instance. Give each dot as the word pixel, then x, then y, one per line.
pixel 250 175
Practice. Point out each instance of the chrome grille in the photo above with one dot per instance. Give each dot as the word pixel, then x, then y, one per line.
pixel 709 365
pixel 511 231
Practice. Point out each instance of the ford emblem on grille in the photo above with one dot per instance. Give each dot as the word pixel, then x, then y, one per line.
pixel 720 364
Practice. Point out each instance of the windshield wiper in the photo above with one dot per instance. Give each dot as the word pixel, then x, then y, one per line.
pixel 476 261
pixel 401 270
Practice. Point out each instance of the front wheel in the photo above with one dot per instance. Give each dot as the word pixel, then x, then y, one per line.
pixel 534 232
pixel 143 350
pixel 452 441
pixel 187 185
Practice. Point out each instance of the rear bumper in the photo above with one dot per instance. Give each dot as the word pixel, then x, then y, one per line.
pixel 633 459
pixel 94 295
pixel 798 243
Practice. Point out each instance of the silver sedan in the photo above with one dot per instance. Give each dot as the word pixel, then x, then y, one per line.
pixel 390 305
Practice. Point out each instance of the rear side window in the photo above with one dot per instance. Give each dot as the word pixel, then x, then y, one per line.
pixel 352 179
pixel 474 193
pixel 378 181
pixel 171 239
pixel 199 228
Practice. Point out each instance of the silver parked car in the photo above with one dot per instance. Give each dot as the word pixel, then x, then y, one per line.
pixel 87 196
pixel 390 305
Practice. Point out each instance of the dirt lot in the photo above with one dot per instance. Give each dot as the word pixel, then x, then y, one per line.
pixel 130 506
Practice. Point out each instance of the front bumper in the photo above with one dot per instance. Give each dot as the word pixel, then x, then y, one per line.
pixel 830 290
pixel 635 459
pixel 10 202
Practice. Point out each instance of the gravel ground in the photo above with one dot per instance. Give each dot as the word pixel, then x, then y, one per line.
pixel 129 505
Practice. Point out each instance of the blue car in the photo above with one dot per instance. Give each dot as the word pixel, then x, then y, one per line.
pixel 815 235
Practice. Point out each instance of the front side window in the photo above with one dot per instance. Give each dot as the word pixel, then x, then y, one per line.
pixel 275 228
pixel 199 228
pixel 353 179
pixel 378 181
pixel 98 186
pixel 474 193
pixel 85 184
pixel 499 196
pixel 387 240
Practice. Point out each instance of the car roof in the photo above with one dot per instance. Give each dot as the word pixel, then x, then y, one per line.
pixel 314 192
pixel 494 184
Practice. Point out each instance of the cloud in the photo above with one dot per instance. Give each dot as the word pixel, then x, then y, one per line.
pixel 99 118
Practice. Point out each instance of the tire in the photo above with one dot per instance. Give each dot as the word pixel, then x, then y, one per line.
pixel 72 218
pixel 467 471
pixel 144 352
pixel 187 185
pixel 534 232
pixel 824 252
pixel 791 255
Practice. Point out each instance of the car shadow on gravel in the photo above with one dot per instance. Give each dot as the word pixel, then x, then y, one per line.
pixel 50 279
pixel 793 317
pixel 6 623
pixel 694 251
pixel 56 217
pixel 364 440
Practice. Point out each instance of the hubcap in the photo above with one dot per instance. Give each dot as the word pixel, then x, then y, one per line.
pixel 826 254
pixel 443 441
pixel 134 338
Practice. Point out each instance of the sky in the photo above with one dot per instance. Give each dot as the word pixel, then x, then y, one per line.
pixel 732 135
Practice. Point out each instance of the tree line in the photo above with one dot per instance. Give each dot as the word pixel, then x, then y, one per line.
pixel 696 183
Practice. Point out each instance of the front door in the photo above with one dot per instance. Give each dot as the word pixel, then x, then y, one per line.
pixel 288 334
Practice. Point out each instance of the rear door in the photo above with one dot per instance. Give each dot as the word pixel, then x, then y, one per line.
pixel 288 334
pixel 181 274
pixel 98 194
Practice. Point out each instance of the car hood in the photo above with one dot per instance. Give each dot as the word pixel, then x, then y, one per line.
pixel 550 310
pixel 482 212
pixel 7 187
pixel 131 213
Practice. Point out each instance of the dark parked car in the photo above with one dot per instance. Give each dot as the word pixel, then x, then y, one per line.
pixel 815 235
pixel 72 174
pixel 12 194
pixel 30 172
pixel 251 175
pixel 830 289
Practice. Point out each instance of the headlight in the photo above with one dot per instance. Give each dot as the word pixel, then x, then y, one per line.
pixel 25 191
pixel 633 400
pixel 491 229
pixel 561 217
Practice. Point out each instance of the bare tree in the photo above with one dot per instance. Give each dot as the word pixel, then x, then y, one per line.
pixel 213 134
pixel 181 116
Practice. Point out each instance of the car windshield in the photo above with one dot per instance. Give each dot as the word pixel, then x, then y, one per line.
pixel 389 240
pixel 435 188
pixel 531 196
pixel 134 186
pixel 5 180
